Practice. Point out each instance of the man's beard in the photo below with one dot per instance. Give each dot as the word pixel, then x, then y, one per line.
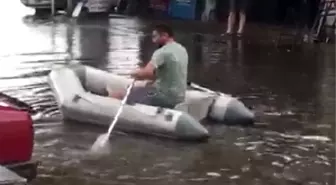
pixel 159 46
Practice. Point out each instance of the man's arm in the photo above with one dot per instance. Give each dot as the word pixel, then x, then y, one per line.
pixel 145 73
pixel 148 72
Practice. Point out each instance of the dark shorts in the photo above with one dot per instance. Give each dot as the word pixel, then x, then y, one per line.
pixel 147 96
pixel 238 5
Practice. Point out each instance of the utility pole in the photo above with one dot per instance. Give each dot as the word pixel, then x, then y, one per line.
pixel 69 7
pixel 53 9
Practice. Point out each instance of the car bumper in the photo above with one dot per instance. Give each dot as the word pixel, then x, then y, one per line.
pixel 27 170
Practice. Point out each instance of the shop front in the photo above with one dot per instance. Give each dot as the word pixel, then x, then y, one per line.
pixel 262 11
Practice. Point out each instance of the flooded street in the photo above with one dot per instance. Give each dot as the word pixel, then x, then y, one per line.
pixel 292 93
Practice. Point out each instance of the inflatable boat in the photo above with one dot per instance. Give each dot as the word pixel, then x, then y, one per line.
pixel 80 92
pixel 9 177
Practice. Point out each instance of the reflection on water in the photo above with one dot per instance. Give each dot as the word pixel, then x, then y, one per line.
pixel 292 94
pixel 88 37
pixel 326 96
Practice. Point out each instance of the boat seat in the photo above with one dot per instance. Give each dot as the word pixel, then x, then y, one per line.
pixel 196 104
pixel 182 107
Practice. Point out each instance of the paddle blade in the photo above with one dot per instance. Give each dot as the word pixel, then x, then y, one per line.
pixel 78 9
pixel 101 145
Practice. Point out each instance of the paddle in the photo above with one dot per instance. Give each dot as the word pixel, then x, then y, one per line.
pixel 101 144
pixel 195 86
pixel 78 9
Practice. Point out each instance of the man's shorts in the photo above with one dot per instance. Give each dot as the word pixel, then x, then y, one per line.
pixel 238 5
pixel 147 96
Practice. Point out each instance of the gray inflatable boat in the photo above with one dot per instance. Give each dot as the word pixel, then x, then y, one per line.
pixel 80 92
pixel 9 177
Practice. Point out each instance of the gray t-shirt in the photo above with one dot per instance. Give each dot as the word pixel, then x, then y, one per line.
pixel 171 63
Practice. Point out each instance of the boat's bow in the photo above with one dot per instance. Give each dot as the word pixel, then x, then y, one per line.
pixel 188 127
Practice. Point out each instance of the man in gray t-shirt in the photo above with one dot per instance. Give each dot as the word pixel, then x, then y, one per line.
pixel 167 70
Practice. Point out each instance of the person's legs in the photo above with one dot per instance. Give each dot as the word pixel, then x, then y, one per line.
pixel 232 17
pixel 143 95
pixel 148 96
pixel 242 20
pixel 242 15
pixel 118 95
pixel 136 95
pixel 140 95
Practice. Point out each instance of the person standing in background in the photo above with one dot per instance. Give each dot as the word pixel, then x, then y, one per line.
pixel 235 6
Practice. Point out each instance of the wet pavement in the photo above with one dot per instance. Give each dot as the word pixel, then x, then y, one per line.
pixel 291 91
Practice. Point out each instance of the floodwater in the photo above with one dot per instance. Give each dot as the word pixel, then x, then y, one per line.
pixel 291 91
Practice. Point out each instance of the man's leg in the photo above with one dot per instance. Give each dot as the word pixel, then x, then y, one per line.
pixel 118 95
pixel 142 95
pixel 232 17
pixel 137 95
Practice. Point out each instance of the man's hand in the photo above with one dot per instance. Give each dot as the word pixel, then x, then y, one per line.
pixel 146 73
pixel 141 64
pixel 136 74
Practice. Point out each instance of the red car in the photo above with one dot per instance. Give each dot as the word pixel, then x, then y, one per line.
pixel 16 138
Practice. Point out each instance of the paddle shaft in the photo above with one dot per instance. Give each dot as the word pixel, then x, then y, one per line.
pixel 120 108
pixel 78 8
pixel 195 86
